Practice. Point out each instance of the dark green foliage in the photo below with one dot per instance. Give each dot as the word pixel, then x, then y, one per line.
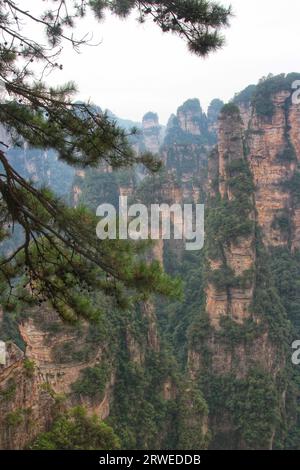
pixel 267 303
pixel 29 367
pixel 82 136
pixel 292 441
pixel 75 430
pixel 176 318
pixel 245 96
pixel 139 414
pixel 267 87
pixel 250 405
pixel 192 410
pixel 196 21
pixel 288 154
pixel 64 267
pixel 293 185
pixel 144 418
pixel 224 278
pixel 8 392
pixel 232 333
pixel 282 222
pixel 77 350
pixel 10 327
pixel 227 221
pixel 92 382
pixel 230 109
pixel 239 178
pixel 285 267
pixel 14 418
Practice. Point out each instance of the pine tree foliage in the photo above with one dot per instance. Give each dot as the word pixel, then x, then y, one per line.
pixel 60 257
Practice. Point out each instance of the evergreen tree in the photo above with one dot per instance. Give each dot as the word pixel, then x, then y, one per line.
pixel 60 257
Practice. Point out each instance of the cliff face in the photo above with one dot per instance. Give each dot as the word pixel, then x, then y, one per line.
pixel 237 257
pixel 152 132
pixel 212 369
pixel 231 259
pixel 63 357
pixel 271 123
pixel 25 407
pixel 273 156
pixel 31 382
pixel 187 143
pixel 253 216
pixel 213 112
pixel 191 118
pixel 43 167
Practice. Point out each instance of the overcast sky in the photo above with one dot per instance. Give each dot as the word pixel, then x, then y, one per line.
pixel 136 68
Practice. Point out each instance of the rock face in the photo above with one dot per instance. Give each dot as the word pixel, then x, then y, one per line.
pixel 25 407
pixel 213 112
pixel 187 143
pixel 191 118
pixel 212 367
pixel 42 167
pixel 272 157
pixel 31 382
pixel 54 349
pixel 254 209
pixel 152 132
pixel 272 126
pixel 238 255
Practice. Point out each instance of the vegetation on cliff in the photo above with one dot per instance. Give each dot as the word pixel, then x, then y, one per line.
pixel 56 251
pixel 173 374
pixel 75 430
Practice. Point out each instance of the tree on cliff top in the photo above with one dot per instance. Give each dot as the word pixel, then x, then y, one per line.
pixel 60 256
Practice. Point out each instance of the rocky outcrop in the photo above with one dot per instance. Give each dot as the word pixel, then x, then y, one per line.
pixel 43 167
pixel 25 406
pixel 272 125
pixel 191 118
pixel 240 197
pixel 213 113
pixel 236 326
pixel 152 132
pixel 30 381
pixel 237 255
pixel 268 145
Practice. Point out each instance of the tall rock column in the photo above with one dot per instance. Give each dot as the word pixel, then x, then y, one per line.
pixel 231 255
pixel 237 342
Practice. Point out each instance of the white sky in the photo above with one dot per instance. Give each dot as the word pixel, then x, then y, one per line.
pixel 136 68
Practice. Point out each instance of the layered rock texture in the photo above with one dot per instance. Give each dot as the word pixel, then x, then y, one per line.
pixel 237 257
pixel 242 340
pixel 152 132
pixel 212 369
